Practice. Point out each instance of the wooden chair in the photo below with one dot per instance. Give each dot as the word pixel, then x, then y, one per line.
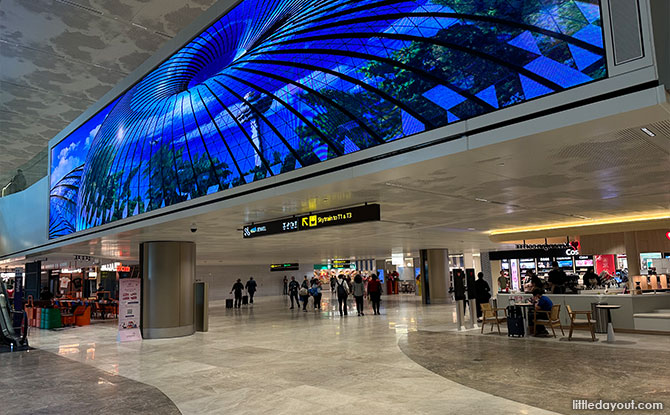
pixel 553 319
pixel 576 323
pixel 490 315
pixel 82 315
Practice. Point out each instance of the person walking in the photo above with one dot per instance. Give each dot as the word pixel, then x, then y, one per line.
pixel 304 297
pixel 316 293
pixel 285 285
pixel 293 289
pixel 251 289
pixel 238 287
pixel 482 294
pixel 333 282
pixel 305 283
pixel 375 293
pixel 342 294
pixel 359 291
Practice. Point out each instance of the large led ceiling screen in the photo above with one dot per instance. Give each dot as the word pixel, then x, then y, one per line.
pixel 276 85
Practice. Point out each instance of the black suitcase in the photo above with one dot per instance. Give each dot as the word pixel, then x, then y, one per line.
pixel 514 311
pixel 515 326
pixel 229 303
pixel 245 299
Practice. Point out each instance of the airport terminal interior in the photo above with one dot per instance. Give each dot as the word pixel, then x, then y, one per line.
pixel 334 206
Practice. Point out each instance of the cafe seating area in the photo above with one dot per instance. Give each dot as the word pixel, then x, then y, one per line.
pixel 551 319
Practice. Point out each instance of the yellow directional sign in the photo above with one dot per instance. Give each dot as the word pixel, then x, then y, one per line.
pixel 357 214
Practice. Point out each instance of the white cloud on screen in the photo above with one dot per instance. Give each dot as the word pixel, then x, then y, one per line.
pixel 72 156
pixel 91 136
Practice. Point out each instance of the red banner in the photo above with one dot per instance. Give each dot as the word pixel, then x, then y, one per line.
pixel 605 263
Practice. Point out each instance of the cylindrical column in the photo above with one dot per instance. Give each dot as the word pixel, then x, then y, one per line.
pixel 168 274
pixel 434 276
pixel 632 254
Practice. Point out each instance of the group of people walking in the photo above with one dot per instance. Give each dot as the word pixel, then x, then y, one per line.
pixel 343 286
pixel 238 289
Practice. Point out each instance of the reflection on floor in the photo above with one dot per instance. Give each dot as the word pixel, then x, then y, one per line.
pixel 269 359
pixel 39 382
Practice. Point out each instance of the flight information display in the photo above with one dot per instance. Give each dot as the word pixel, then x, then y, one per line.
pixel 272 86
pixel 358 214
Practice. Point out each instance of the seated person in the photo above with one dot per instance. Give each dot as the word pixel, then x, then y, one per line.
pixel 542 302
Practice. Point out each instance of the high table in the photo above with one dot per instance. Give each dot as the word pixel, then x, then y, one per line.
pixel 525 307
pixel 610 328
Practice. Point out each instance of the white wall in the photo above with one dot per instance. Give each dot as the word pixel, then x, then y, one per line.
pixel 23 218
pixel 221 278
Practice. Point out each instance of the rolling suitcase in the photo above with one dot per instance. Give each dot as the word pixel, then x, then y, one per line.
pixel 245 299
pixel 229 303
pixel 515 321
pixel 515 326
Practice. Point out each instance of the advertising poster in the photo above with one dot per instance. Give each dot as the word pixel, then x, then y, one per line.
pixel 605 263
pixel 129 310
pixel 514 273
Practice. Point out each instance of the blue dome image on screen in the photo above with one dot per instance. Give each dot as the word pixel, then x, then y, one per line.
pixel 273 86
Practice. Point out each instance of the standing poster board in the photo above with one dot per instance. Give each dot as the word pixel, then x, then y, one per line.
pixel 129 310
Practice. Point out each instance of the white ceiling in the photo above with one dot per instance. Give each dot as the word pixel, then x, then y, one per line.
pixel 593 170
pixel 58 57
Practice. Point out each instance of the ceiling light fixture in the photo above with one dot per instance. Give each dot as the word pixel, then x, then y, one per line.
pixel 593 222
pixel 479 199
pixel 648 132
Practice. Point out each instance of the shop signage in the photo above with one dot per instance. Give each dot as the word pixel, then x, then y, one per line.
pixel 129 310
pixel 342 264
pixel 573 245
pixel 122 268
pixel 110 267
pixel 338 217
pixel 667 234
pixel 284 267
pixel 336 264
pixel 82 258
pixel 537 251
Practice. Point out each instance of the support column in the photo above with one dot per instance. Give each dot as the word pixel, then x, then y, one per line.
pixel 434 265
pixel 168 274
pixel 487 269
pixel 632 254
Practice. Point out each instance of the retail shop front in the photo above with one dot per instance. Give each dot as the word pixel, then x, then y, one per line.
pixel 73 297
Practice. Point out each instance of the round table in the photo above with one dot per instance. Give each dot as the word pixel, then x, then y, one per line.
pixel 610 328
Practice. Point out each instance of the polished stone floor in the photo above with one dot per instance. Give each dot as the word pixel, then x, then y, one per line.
pixel 40 382
pixel 269 359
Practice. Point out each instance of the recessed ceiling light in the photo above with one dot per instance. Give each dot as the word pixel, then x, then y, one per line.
pixel 479 199
pixel 501 164
pixel 471 229
pixel 648 132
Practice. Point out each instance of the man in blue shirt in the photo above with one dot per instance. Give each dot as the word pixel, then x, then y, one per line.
pixel 542 303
